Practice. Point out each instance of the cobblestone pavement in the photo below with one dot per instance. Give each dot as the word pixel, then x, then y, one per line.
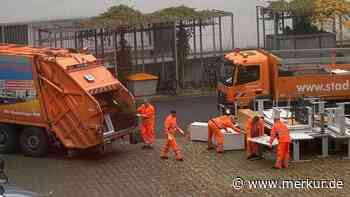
pixel 130 170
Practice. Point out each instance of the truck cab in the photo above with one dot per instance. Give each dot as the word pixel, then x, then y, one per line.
pixel 246 75
pixel 284 75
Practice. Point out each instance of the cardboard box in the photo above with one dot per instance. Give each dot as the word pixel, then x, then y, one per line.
pixel 199 131
pixel 232 141
pixel 243 116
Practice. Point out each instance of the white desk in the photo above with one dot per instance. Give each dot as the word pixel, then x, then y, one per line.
pixel 296 138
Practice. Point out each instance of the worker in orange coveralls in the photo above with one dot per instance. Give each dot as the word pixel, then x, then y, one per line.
pixel 254 128
pixel 147 114
pixel 281 132
pixel 215 126
pixel 170 130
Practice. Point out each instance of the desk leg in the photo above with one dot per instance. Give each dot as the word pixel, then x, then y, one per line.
pixel 338 145
pixel 348 157
pixel 296 150
pixel 348 148
pixel 325 146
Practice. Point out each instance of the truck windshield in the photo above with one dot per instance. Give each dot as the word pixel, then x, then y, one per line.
pixel 228 69
pixel 248 74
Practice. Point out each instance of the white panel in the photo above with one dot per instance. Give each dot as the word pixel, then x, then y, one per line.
pixel 233 141
pixel 199 131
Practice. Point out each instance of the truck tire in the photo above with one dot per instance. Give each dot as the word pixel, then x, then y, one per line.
pixel 34 142
pixel 8 139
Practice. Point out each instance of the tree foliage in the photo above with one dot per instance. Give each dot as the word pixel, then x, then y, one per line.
pixel 326 10
pixel 294 7
pixel 173 13
pixel 120 15
pixel 308 13
pixel 123 17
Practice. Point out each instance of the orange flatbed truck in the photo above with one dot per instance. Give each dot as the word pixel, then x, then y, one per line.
pixel 61 97
pixel 283 76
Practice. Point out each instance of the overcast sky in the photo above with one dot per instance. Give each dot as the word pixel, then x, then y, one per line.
pixel 29 10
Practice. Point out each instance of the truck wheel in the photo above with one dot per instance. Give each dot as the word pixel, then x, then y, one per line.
pixel 8 139
pixel 34 142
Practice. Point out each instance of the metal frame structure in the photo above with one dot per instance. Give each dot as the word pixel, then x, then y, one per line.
pixel 262 20
pixel 104 41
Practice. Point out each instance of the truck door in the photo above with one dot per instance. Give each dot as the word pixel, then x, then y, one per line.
pixel 226 81
pixel 248 83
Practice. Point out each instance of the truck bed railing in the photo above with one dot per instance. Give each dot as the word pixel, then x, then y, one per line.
pixel 316 51
pixel 320 60
pixel 323 56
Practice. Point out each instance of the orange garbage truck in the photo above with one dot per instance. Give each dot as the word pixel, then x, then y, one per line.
pixel 283 76
pixel 60 97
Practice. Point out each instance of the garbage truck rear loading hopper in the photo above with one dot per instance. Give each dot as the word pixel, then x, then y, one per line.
pixel 59 96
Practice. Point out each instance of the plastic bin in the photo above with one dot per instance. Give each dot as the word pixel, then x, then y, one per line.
pixel 142 84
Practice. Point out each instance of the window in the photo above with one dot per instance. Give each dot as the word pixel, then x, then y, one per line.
pixel 228 68
pixel 248 74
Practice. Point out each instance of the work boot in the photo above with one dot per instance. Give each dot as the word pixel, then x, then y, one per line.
pixel 163 154
pixel 219 149
pixel 178 156
pixel 285 164
pixel 180 159
pixel 164 151
pixel 210 148
pixel 251 156
pixel 147 146
pixel 278 165
pixel 254 157
pixel 164 157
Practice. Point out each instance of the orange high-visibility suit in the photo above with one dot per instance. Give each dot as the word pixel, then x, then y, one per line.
pixel 214 127
pixel 147 123
pixel 253 130
pixel 170 130
pixel 281 132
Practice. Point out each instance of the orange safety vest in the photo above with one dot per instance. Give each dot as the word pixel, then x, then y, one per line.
pixel 148 112
pixel 170 125
pixel 222 122
pixel 281 132
pixel 255 130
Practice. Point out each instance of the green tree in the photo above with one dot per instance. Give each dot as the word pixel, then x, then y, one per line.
pixel 300 11
pixel 327 11
pixel 183 33
pixel 308 13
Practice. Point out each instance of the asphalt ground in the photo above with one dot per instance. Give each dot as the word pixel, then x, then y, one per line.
pixel 129 170
pixel 188 110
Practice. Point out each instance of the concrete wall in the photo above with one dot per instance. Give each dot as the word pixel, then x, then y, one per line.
pixel 283 42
